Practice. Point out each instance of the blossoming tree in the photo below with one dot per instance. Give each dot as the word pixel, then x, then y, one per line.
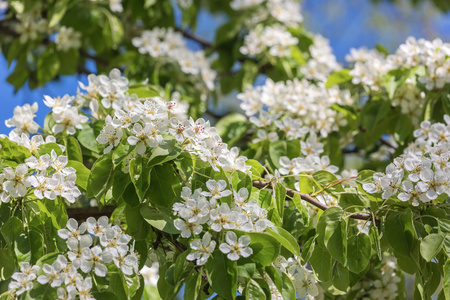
pixel 332 183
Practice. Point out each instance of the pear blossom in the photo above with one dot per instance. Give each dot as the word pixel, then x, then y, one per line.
pixel 23 119
pixel 235 248
pixel 52 275
pixel 16 183
pixel 203 249
pixel 187 229
pixel 68 121
pixel 217 189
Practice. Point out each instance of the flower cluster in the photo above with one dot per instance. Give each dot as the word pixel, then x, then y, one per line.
pixel 94 247
pixel 368 67
pixel 322 62
pixel 371 65
pixel 50 177
pixel 23 120
pixel 67 38
pixel 67 118
pixel 422 172
pixel 206 209
pixel 304 104
pixel 284 11
pixel 275 39
pixel 150 122
pixel 110 89
pixel 384 287
pixel 411 100
pixel 431 54
pixel 31 27
pixel 303 279
pixel 166 43
pixel 310 163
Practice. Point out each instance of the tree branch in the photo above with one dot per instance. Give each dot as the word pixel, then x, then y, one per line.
pixel 203 42
pixel 311 200
pixel 82 213
pixel 97 59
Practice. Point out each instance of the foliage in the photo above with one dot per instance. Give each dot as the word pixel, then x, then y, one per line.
pixel 333 183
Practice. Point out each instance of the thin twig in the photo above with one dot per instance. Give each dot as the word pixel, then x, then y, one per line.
pixel 311 200
pixel 201 41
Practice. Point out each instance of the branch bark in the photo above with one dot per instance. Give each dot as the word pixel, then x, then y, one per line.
pixel 312 201
pixel 204 43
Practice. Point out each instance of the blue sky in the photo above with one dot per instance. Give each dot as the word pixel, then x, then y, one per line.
pixel 346 23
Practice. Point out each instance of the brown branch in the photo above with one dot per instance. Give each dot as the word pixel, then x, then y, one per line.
pixel 311 200
pixel 384 142
pixel 201 41
pixel 97 59
pixel 82 213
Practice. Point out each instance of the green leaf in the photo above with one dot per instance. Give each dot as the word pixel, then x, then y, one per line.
pixel 382 49
pixel 47 66
pixel 358 252
pixel 143 91
pixel 338 77
pixel 7 265
pixel 325 178
pixel 446 281
pixel 82 173
pixel 332 230
pixel 222 275
pixel 297 55
pixel 158 219
pixel 12 151
pixel 431 245
pixel 340 277
pixel 161 190
pixel 19 76
pixel 321 263
pixel 87 138
pixel 101 176
pixel 11 229
pixel 400 232
pixel 280 198
pixel 308 248
pixel 136 225
pixel 283 283
pixel 68 61
pixel 73 149
pixel 285 238
pixel 254 291
pixel 265 247
pixel 278 149
pixel 48 148
pixel 116 286
pixel 140 175
pixel 375 237
pixel 29 246
pixel 164 153
pixel 47 259
pixel 121 152
pixel 113 29
pixel 394 79
pixel 45 292
pixel 256 168
pixel 232 127
pixel 247 270
pixel 121 182
pixel 57 12
pixel 192 289
pixel 13 51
